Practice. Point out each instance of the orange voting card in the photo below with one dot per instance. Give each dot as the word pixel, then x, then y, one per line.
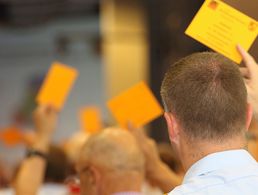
pixel 57 85
pixel 11 136
pixel 221 27
pixel 91 119
pixel 136 105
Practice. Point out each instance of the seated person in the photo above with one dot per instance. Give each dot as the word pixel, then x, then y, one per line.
pixel 31 172
pixel 111 163
pixel 208 127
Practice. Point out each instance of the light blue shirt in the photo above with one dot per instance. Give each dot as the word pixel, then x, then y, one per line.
pixel 233 172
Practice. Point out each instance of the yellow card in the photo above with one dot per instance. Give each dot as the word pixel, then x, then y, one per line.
pixel 221 27
pixel 136 105
pixel 57 85
pixel 91 119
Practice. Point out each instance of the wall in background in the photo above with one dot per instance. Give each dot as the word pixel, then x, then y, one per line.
pixel 27 53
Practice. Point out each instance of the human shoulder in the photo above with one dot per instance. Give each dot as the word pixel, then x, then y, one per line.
pixel 196 185
pixel 221 181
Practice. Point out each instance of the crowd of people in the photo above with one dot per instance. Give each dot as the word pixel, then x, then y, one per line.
pixel 209 103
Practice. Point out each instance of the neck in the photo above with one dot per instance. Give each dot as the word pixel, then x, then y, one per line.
pixel 196 150
pixel 126 182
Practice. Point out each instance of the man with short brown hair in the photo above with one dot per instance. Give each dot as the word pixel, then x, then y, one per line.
pixel 206 93
pixel 207 115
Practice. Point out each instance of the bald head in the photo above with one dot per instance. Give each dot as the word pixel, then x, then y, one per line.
pixel 113 149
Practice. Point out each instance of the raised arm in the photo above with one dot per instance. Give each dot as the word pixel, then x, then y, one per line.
pixel 31 173
pixel 250 74
pixel 156 171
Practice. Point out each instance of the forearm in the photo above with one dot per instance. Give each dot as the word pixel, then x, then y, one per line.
pixel 164 178
pixel 250 75
pixel 31 173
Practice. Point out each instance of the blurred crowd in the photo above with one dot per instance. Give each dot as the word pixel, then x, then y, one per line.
pixel 53 169
pixel 116 160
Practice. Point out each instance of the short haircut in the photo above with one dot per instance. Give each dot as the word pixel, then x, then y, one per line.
pixel 206 93
pixel 115 150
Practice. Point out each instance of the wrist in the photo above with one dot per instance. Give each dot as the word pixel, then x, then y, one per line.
pixel 44 132
pixel 42 142
pixel 31 152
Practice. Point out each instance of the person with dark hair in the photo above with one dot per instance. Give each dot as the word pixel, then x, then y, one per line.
pixel 207 114
pixel 3 178
pixel 58 166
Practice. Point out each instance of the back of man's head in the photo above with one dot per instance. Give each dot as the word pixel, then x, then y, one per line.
pixel 114 149
pixel 116 155
pixel 207 95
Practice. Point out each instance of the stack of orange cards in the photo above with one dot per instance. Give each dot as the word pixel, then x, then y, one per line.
pixel 91 119
pixel 57 85
pixel 136 105
pixel 221 27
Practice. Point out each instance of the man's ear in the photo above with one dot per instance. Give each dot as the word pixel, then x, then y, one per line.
pixel 249 114
pixel 90 181
pixel 95 176
pixel 172 126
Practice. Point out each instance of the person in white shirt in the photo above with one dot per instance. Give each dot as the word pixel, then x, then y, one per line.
pixel 207 114
pixel 110 162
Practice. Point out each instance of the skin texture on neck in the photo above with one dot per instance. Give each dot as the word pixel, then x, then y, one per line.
pixel 191 152
pixel 121 182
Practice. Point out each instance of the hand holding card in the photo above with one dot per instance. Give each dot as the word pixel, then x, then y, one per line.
pixel 136 105
pixel 57 85
pixel 221 27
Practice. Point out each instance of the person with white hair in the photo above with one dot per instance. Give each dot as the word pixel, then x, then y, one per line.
pixel 111 163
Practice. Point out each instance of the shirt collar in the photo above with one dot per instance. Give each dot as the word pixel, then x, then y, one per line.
pixel 219 160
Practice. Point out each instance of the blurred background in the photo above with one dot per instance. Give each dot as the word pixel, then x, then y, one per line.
pixel 114 44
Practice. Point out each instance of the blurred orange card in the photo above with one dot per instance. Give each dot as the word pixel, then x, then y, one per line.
pixel 91 119
pixel 136 105
pixel 11 136
pixel 57 85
